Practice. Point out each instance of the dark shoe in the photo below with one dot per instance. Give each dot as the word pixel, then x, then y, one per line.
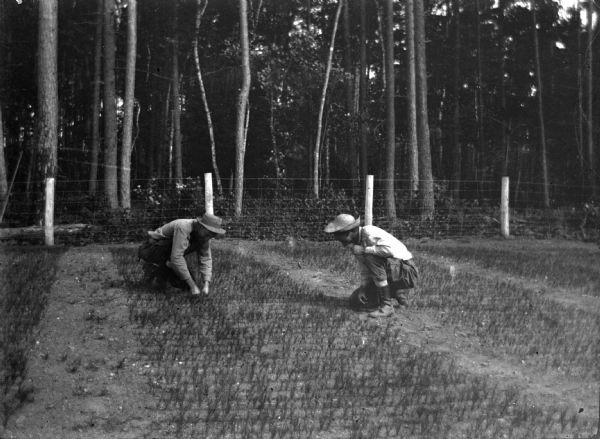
pixel 387 308
pixel 364 299
pixel 401 299
pixel 384 311
pixel 402 302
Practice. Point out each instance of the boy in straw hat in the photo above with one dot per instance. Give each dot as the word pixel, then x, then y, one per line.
pixel 385 263
pixel 164 252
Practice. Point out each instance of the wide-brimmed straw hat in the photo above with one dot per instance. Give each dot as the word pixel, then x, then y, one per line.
pixel 212 223
pixel 342 223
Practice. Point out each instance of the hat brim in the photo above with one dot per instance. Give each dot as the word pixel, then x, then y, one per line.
pixel 212 228
pixel 334 228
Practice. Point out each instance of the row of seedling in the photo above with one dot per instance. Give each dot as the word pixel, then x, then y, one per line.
pixel 221 368
pixel 522 322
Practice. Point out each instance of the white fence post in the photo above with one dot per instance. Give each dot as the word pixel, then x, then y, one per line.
pixel 504 210
pixel 369 201
pixel 208 193
pixel 49 212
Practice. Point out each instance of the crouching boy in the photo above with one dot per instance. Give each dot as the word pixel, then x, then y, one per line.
pixel 163 254
pixel 387 267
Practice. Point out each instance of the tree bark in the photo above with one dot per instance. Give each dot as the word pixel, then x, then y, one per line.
pixel 426 196
pixel 589 92
pixel 3 174
pixel 505 119
pixel 242 104
pixel 201 7
pixel 456 146
pixel 3 170
pixel 382 44
pixel 480 110
pixel 129 103
pixel 580 86
pixel 273 132
pixel 110 109
pixel 411 101
pixel 317 148
pixel 364 160
pixel 390 114
pixel 350 112
pixel 95 116
pixel 47 123
pixel 177 158
pixel 538 73
pixel 162 153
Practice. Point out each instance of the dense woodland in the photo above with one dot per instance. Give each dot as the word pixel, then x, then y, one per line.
pixel 428 96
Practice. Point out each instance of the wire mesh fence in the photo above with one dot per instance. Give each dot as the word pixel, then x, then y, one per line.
pixel 278 208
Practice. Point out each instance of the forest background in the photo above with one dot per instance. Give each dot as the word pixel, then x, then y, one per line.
pixel 127 105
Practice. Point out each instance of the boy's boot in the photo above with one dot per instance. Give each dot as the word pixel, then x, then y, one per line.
pixel 402 298
pixel 386 307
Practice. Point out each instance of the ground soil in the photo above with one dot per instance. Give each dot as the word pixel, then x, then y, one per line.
pixel 90 378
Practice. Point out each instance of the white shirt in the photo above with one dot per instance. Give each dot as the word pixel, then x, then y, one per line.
pixel 378 242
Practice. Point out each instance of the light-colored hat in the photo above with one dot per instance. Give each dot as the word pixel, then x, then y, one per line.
pixel 342 223
pixel 212 223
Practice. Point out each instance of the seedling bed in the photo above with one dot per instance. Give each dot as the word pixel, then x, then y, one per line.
pixel 266 356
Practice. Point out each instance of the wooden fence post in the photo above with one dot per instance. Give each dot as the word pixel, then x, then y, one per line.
pixel 369 201
pixel 49 212
pixel 208 193
pixel 504 210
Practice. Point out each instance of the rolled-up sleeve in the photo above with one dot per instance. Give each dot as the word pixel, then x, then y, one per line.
pixel 379 248
pixel 205 256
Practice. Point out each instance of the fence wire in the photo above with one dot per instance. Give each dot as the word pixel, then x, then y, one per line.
pixel 279 208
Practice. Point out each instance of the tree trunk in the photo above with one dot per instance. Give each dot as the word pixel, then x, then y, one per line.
pixel 538 72
pixel 242 104
pixel 276 163
pixel 384 75
pixel 3 173
pixel 350 112
pixel 201 7
pixel 456 146
pixel 480 110
pixel 95 116
pixel 390 116
pixel 317 148
pixel 413 143
pixel 110 109
pixel 505 138
pixel 580 113
pixel 364 160
pixel 47 123
pixel 426 196
pixel 591 171
pixel 177 158
pixel 129 103
pixel 163 149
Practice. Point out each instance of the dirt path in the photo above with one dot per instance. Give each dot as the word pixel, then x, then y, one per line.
pixel 420 329
pixel 87 374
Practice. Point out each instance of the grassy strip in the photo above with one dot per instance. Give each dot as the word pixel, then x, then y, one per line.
pixel 565 267
pixel 523 323
pixel 23 295
pixel 266 357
